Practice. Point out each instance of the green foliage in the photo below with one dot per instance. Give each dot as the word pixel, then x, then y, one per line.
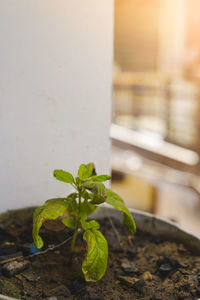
pixel 51 210
pixel 117 202
pixel 95 263
pixel 74 210
pixel 63 176
pixel 98 191
pixel 100 178
pixel 69 222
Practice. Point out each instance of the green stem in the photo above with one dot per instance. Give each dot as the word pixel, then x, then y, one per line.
pixel 74 239
pixel 79 201
pixel 77 227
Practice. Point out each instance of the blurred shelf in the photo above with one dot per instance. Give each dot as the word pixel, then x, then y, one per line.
pixel 155 148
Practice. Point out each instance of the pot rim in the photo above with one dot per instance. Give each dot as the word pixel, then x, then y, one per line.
pixel 156 226
pixel 145 222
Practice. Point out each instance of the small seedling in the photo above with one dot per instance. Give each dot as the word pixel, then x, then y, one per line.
pixel 74 210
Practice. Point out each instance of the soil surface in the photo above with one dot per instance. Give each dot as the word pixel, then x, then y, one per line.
pixel 139 266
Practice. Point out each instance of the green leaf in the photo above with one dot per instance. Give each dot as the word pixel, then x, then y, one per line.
pixel 78 181
pixel 89 225
pixel 83 172
pixel 86 195
pixel 100 178
pixel 63 176
pixel 117 202
pixel 51 210
pixel 71 203
pixel 86 171
pixel 98 189
pixel 95 263
pixel 86 209
pixel 69 222
pixel 91 169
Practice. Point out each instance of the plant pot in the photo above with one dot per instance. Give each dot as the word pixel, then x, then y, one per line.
pixel 134 271
pixel 157 226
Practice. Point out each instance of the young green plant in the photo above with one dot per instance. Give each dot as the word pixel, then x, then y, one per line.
pixel 74 210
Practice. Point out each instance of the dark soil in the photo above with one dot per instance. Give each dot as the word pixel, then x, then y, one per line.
pixel 139 266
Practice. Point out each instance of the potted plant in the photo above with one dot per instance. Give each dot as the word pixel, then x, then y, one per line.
pixel 142 266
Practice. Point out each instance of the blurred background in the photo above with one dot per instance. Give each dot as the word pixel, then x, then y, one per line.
pixel 156 108
pixel 45 119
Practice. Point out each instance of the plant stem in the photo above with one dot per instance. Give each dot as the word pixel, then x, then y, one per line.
pixel 74 239
pixel 77 226
pixel 79 201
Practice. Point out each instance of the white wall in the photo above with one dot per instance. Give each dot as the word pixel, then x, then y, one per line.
pixel 55 94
